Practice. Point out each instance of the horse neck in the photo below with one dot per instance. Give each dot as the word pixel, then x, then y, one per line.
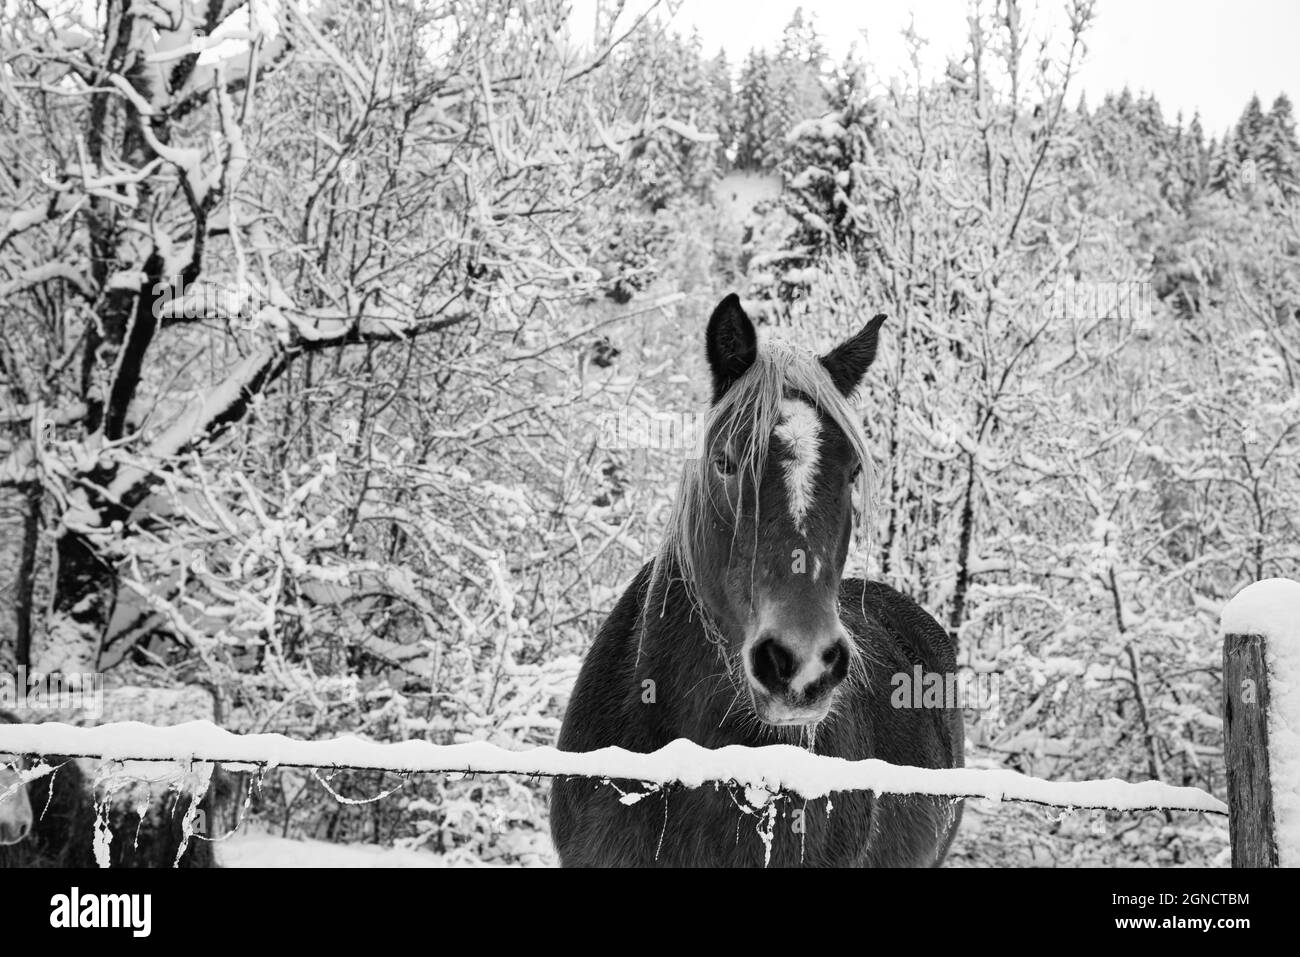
pixel 694 692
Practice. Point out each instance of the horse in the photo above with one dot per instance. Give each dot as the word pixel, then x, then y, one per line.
pixel 61 832
pixel 15 806
pixel 742 630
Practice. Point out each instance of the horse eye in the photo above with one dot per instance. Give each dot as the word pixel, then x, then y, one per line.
pixel 853 476
pixel 723 464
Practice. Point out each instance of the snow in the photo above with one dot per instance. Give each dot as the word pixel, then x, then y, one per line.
pixel 358 86
pixel 142 105
pixel 736 194
pixel 1271 608
pixel 45 273
pixel 264 850
pixel 826 127
pixel 808 177
pixel 252 848
pixel 21 219
pixel 816 222
pixel 192 423
pixel 231 37
pixel 187 159
pixel 804 277
pixel 126 279
pixel 773 768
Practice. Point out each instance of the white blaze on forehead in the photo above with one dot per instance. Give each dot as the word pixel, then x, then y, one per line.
pixel 801 432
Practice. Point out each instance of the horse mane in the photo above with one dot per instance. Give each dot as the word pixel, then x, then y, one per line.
pixel 744 419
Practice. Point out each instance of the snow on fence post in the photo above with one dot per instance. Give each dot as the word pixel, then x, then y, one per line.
pixel 1261 722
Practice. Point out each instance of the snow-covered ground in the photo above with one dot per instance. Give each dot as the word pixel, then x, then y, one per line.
pixel 991 835
pixel 265 850
pixel 736 194
pixel 251 847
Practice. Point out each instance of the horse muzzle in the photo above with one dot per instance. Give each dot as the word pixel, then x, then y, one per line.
pixel 792 679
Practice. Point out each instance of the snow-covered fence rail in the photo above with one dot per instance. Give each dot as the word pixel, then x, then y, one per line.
pixel 773 768
pixel 1261 723
pixel 1261 710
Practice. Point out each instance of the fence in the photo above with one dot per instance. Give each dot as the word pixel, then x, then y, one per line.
pixel 1261 723
pixel 1261 629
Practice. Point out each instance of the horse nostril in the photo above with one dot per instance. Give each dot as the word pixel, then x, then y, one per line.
pixel 773 664
pixel 836 659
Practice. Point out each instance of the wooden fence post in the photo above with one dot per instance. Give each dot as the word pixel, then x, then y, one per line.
pixel 1260 630
pixel 1245 749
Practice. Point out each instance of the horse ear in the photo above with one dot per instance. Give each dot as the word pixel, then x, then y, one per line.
pixel 731 344
pixel 848 362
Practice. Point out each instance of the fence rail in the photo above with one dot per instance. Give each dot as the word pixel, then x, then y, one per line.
pixel 772 768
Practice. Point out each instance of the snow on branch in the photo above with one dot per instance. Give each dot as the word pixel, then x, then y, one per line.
pixel 323 329
pixel 773 768
pixel 198 419
pixel 46 272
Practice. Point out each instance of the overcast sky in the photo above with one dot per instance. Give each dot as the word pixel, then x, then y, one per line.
pixel 1209 55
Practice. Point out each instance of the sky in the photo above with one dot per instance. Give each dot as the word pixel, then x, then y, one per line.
pixel 1209 55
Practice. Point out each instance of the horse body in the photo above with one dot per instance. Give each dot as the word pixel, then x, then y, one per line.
pixel 707 826
pixel 741 631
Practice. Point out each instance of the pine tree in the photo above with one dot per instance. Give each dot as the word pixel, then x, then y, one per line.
pixel 784 108
pixel 752 111
pixel 1224 166
pixel 797 83
pixel 723 100
pixel 1279 155
pixel 801 43
pixel 1190 161
pixel 848 81
pixel 1249 132
pixel 1124 105
pixel 1149 123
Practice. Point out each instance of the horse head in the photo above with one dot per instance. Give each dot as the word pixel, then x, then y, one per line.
pixel 764 516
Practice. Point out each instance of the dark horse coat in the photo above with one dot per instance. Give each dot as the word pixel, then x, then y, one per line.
pixel 707 826
pixel 742 632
